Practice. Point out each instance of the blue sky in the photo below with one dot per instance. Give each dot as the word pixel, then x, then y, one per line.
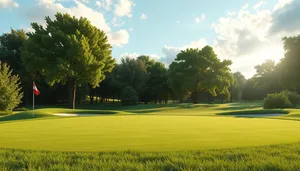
pixel 240 30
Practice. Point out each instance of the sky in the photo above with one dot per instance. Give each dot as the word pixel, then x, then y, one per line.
pixel 248 32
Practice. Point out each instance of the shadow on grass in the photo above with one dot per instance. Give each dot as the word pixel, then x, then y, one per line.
pixel 192 106
pixel 22 116
pixel 241 106
pixel 98 112
pixel 124 108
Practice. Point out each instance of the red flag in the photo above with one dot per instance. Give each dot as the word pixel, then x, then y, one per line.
pixel 35 90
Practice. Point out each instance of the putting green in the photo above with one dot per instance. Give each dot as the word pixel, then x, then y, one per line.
pixel 146 133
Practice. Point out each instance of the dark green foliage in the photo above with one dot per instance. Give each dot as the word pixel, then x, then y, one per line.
pixel 10 53
pixel 69 51
pixel 238 85
pixel 266 77
pixel 21 109
pixel 129 96
pixel 290 65
pixel 251 92
pixel 10 91
pixel 197 70
pixel 284 99
pixel 293 97
pixel 267 158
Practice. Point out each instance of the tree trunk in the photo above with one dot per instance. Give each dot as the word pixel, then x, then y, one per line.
pixel 195 97
pixel 92 95
pixel 78 98
pixel 72 93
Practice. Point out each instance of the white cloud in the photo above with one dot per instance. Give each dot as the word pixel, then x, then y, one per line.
pixel 119 38
pixel 85 1
pixel 117 23
pixel 258 5
pixel 281 4
pixel 98 4
pixel 247 38
pixel 8 4
pixel 123 8
pixel 199 19
pixel 131 29
pixel 136 55
pixel 143 17
pixel 170 52
pixel 51 7
pixel 106 4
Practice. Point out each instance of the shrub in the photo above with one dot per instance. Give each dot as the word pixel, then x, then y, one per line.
pixel 293 97
pixel 21 109
pixel 10 95
pixel 284 99
pixel 129 96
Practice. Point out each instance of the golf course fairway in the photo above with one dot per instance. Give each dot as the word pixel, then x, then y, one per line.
pixel 146 133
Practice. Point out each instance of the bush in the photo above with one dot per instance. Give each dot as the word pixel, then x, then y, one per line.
pixel 10 95
pixel 21 109
pixel 293 97
pixel 284 99
pixel 129 96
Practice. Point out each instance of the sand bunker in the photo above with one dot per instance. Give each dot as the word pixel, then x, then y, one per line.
pixel 72 114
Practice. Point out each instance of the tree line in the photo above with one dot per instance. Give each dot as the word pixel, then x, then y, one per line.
pixel 71 59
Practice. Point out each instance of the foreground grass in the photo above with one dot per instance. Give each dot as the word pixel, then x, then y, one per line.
pixel 151 137
pixel 269 158
pixel 146 133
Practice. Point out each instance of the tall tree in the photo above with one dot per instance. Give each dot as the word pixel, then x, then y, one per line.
pixel 179 91
pixel 238 86
pixel 289 67
pixel 133 73
pixel 10 91
pixel 202 70
pixel 10 53
pixel 69 51
pixel 266 77
pixel 251 92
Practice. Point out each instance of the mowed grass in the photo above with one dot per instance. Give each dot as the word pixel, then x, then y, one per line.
pixel 151 137
pixel 146 133
pixel 267 158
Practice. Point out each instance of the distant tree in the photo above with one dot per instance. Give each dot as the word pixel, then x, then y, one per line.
pixel 69 51
pixel 251 92
pixel 133 73
pixel 238 86
pixel 266 77
pixel 158 82
pixel 179 91
pixel 224 96
pixel 10 90
pixel 289 67
pixel 10 53
pixel 156 88
pixel 200 70
pixel 129 96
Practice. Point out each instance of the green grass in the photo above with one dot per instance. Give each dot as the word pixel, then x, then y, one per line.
pixel 151 137
pixel 146 133
pixel 268 158
pixel 263 111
